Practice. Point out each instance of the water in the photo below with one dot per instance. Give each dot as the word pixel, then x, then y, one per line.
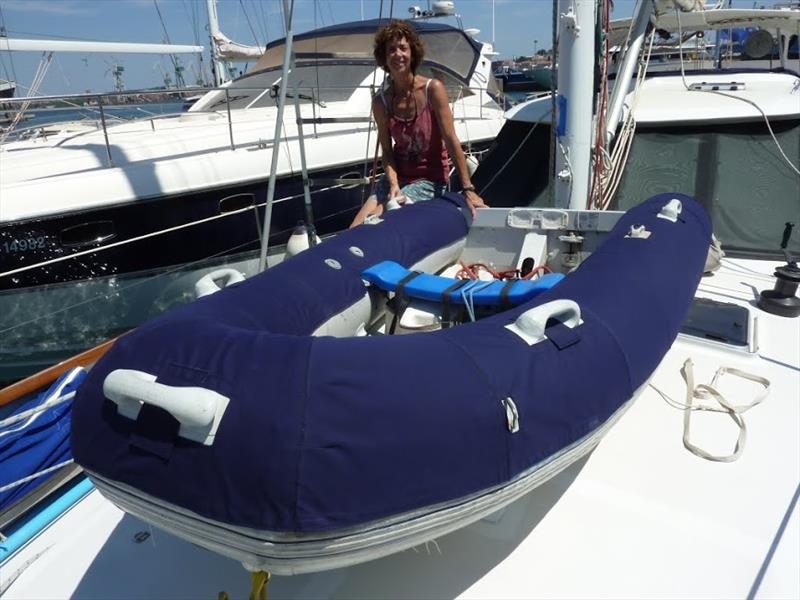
pixel 42 325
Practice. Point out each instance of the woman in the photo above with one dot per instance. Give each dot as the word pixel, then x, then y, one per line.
pixel 415 128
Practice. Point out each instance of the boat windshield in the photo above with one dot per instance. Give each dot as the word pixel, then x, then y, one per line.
pixel 328 83
pixel 323 82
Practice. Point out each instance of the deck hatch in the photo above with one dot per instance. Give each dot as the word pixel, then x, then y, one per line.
pixel 717 321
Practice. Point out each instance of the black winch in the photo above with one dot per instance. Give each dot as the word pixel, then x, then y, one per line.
pixel 782 299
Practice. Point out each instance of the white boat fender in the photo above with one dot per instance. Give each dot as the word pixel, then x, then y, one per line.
pixel 216 280
pixel 198 410
pixel 531 324
pixel 298 241
pixel 472 164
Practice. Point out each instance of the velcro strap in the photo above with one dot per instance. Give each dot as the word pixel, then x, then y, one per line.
pixel 399 291
pixel 504 301
pixel 562 336
pixel 446 298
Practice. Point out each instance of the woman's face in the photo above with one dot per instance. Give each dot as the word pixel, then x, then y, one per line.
pixel 398 55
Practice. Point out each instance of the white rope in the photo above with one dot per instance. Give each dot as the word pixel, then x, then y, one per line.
pixel 719 93
pixel 611 178
pixel 35 475
pixel 52 399
pixel 708 391
pixel 766 120
pixel 32 412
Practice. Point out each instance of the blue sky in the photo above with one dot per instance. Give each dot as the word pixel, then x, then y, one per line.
pixel 520 26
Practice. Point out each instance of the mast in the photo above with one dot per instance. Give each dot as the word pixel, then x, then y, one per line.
pixel 574 102
pixel 217 66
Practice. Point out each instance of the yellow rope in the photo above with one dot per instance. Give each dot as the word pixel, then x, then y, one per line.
pixel 260 580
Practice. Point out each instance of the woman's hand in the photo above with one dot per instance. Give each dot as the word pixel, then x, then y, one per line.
pixel 473 201
pixel 396 193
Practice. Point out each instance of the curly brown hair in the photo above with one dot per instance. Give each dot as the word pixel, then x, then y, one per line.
pixel 396 30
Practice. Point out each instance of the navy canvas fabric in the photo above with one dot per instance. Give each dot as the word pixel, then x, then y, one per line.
pixel 323 433
pixel 43 443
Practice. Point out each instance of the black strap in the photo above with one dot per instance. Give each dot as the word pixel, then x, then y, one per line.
pixel 400 300
pixel 401 285
pixel 458 284
pixel 504 301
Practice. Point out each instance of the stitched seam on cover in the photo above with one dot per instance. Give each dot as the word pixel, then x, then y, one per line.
pixel 301 442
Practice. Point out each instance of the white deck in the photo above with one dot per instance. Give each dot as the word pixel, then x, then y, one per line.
pixel 640 518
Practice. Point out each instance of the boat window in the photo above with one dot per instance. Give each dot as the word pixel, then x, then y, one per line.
pixel 735 170
pixel 451 50
pixel 87 234
pixel 718 322
pixel 455 89
pixel 326 83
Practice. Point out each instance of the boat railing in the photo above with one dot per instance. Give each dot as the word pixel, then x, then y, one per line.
pixel 105 105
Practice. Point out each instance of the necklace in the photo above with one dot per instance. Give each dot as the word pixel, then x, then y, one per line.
pixel 409 95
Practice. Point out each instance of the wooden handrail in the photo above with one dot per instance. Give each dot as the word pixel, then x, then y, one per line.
pixel 47 376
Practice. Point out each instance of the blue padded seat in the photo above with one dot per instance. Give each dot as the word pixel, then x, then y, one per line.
pixel 388 275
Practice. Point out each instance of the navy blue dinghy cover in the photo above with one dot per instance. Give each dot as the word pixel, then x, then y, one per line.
pixel 328 433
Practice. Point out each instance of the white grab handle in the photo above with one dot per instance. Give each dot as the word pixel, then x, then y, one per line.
pixel 530 325
pixel 198 410
pixel 207 284
pixel 671 210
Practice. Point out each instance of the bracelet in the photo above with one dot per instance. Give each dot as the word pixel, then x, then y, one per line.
pixel 469 188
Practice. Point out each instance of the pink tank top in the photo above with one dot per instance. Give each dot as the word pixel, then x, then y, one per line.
pixel 419 150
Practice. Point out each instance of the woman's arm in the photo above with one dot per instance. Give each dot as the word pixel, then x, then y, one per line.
pixel 385 139
pixel 372 206
pixel 441 108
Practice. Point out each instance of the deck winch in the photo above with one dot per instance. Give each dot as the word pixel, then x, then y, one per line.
pixel 782 300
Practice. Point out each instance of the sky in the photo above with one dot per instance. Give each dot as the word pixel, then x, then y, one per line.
pixel 520 28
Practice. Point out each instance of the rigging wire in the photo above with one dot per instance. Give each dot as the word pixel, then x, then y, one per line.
pixel 10 54
pixel 519 147
pixel 595 191
pixel 330 12
pixel 365 190
pixel 249 24
pixel 261 20
pixel 38 78
pixel 172 57
pixel 191 14
pixel 553 105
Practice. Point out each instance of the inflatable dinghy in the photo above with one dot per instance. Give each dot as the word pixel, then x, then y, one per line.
pixel 263 424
